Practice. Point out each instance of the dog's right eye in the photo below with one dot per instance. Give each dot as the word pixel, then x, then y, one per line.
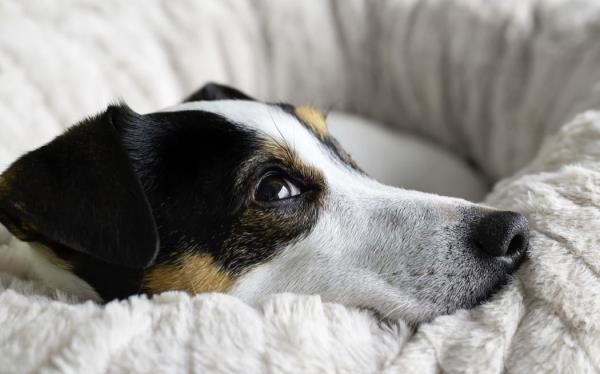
pixel 274 187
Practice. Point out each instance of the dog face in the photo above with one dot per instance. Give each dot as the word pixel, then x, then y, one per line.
pixel 225 193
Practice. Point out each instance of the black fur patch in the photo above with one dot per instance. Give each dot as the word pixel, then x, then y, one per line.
pixel 214 91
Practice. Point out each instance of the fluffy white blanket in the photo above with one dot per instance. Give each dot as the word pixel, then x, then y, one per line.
pixel 487 79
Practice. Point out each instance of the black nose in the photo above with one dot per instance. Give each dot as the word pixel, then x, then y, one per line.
pixel 502 233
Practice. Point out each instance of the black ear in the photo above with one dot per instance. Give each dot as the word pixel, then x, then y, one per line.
pixel 80 192
pixel 213 91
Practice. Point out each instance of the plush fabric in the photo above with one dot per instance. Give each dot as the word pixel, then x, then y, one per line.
pixel 486 79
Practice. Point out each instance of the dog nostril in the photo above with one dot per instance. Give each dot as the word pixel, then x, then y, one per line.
pixel 517 244
pixel 501 233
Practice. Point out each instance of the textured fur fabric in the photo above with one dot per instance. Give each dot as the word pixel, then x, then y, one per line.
pixel 488 79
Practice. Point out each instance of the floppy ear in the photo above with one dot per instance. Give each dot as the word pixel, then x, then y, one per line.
pixel 214 91
pixel 80 191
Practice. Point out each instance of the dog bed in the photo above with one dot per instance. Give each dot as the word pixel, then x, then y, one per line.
pixel 490 81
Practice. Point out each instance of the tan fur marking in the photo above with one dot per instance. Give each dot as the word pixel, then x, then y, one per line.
pixel 5 181
pixel 192 273
pixel 290 159
pixel 314 118
pixel 51 256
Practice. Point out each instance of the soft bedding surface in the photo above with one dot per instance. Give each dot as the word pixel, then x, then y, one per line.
pixel 486 79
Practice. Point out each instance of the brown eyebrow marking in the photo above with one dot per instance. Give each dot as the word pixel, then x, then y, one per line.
pixel 191 272
pixel 289 158
pixel 316 122
pixel 313 118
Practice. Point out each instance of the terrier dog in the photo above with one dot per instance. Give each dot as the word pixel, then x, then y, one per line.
pixel 225 193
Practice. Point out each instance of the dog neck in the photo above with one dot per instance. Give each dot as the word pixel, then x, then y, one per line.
pixel 37 263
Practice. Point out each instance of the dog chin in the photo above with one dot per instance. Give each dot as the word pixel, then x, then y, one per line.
pixel 485 293
pixel 493 288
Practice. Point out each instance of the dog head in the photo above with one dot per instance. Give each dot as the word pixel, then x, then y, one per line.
pixel 225 193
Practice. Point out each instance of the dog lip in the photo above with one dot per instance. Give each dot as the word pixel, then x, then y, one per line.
pixel 492 290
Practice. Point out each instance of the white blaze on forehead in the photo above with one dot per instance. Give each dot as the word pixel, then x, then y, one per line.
pixel 274 122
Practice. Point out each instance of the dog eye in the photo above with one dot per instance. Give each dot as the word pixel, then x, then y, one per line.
pixel 275 187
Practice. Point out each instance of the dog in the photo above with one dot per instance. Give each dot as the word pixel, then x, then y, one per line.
pixel 224 193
